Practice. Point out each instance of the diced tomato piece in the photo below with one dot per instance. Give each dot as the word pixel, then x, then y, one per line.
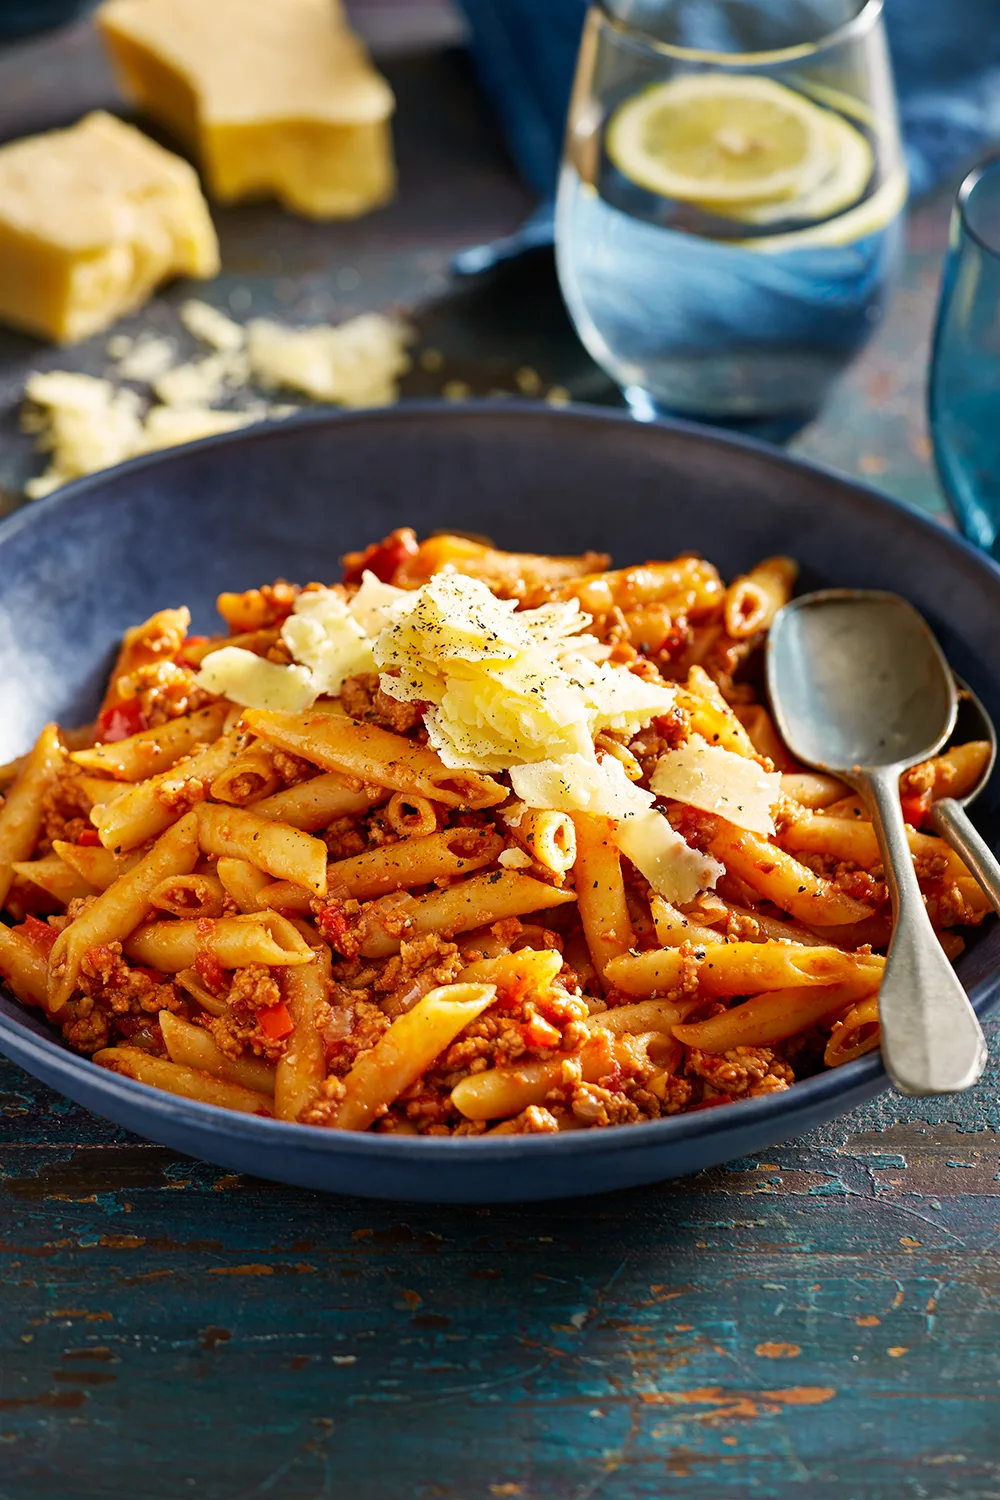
pixel 40 934
pixel 382 558
pixel 336 929
pixel 275 1022
pixel 209 971
pixel 89 839
pixel 193 641
pixel 915 809
pixel 120 721
pixel 149 973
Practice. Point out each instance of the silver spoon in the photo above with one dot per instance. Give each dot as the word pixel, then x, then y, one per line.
pixel 860 689
pixel 948 816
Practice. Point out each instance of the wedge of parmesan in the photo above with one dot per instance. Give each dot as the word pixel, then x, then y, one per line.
pixel 719 781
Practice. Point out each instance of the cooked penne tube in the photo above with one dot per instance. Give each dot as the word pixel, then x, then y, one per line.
pixel 811 789
pixel 314 804
pixel 789 932
pixel 394 867
pixel 100 789
pixel 52 875
pixel 154 750
pixel 190 896
pixel 958 770
pixel 645 1015
pixel 476 902
pixel 119 910
pixel 284 852
pixel 785 880
pixel 302 1066
pixel 283 896
pixel 21 814
pixel 243 881
pixel 501 1092
pixel 689 584
pixel 249 778
pixel 149 807
pixel 233 942
pixel 24 967
pixel 850 840
pixel 528 968
pixel 854 1034
pixel 405 1052
pixel 601 891
pixel 191 981
pixel 190 1083
pixel 375 755
pixel 752 601
pixel 96 865
pixel 673 928
pixel 480 560
pixel 193 1047
pixel 740 968
pixel 772 1017
pixel 549 837
pixel 411 816
pixel 711 716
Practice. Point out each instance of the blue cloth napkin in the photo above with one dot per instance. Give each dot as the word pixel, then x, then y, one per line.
pixel 946 60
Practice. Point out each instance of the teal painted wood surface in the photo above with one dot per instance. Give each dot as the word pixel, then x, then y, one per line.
pixel 822 1324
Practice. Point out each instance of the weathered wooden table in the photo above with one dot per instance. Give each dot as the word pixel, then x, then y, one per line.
pixel 823 1323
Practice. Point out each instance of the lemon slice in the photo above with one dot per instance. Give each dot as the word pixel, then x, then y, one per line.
pixel 712 138
pixel 852 162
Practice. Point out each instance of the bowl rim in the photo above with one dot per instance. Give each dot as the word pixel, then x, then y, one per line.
pixel 793 1107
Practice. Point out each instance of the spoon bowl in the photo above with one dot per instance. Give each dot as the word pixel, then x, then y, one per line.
pixel 947 815
pixel 861 689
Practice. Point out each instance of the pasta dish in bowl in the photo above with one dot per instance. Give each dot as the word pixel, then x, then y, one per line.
pixel 470 843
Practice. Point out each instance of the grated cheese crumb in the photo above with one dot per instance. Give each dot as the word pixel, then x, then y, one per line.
pixel 212 326
pixel 357 363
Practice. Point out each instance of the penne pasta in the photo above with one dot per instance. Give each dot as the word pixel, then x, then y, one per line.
pixel 502 1092
pixel 854 1034
pixel 411 817
pixel 190 896
pixel 811 789
pixel 149 807
pixel 740 968
pixel 785 880
pixel 764 736
pixel 190 1083
pixel 771 1017
pixel 855 842
pixel 249 778
pixel 24 967
pixel 282 851
pixel 711 716
pixel 375 755
pixel 301 1068
pixel 242 881
pixel 407 1049
pixel 751 602
pixel 600 888
pixel 476 902
pixel 193 1047
pixel 21 814
pixel 232 942
pixel 528 968
pixel 99 867
pixel 154 750
pixel 673 928
pixel 315 804
pixel 158 639
pixel 549 837
pixel 51 874
pixel 395 867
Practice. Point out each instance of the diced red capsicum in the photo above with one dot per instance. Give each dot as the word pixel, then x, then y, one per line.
pixel 89 839
pixel 39 934
pixel 915 809
pixel 120 721
pixel 276 1022
pixel 382 558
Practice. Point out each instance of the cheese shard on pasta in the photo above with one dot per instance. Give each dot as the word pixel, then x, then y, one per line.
pixel 507 687
pixel 372 605
pixel 254 682
pixel 323 635
pixel 583 784
pixel 719 781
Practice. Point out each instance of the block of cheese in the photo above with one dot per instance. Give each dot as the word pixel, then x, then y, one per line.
pixel 91 220
pixel 273 97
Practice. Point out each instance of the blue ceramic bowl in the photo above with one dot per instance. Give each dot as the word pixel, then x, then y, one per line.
pixel 231 512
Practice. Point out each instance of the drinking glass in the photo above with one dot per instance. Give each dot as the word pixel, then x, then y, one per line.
pixel 965 367
pixel 729 209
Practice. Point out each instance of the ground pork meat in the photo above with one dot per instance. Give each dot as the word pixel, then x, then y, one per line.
pixel 114 998
pixel 165 690
pixel 340 923
pixel 420 966
pixel 742 1072
pixel 65 810
pixel 364 700
pixel 949 907
pixel 291 768
pixel 344 838
pixel 535 1120
pixel 346 1035
pixel 253 988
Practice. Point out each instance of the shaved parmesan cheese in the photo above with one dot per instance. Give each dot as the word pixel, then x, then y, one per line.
pixel 578 784
pixel 357 363
pixel 514 859
pixel 254 682
pixel 372 604
pixel 324 636
pixel 211 326
pixel 719 781
pixel 507 687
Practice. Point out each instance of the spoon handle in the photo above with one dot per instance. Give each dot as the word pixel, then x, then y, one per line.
pixel 950 820
pixel 932 1042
